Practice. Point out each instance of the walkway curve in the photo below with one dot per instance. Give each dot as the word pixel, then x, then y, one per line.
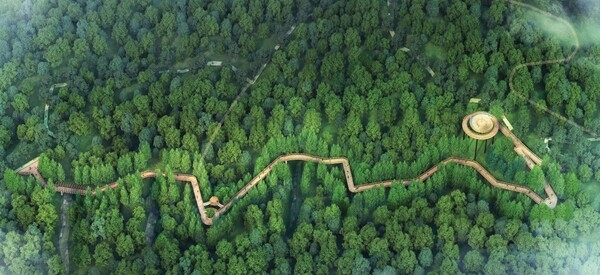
pixel 545 62
pixel 531 159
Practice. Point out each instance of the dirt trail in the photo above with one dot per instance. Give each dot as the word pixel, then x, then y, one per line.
pixel 63 242
pixel 296 198
pixel 149 231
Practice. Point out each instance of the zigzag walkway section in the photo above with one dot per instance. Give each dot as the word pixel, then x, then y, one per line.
pixel 531 160
pixel 31 168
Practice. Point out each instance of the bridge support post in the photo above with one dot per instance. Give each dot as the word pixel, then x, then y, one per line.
pixel 485 146
pixel 475 154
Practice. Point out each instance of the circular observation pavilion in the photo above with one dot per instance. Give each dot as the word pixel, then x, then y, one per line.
pixel 213 201
pixel 480 125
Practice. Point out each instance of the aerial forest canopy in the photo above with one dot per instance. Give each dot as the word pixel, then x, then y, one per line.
pixel 103 90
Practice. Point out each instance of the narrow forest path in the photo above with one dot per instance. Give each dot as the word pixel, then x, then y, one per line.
pixel 63 241
pixel 296 196
pixel 56 85
pixel 242 93
pixel 546 62
pixel 149 229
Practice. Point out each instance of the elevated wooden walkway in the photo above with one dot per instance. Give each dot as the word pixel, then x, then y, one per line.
pixel 31 168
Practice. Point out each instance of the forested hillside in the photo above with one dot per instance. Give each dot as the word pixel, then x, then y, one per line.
pixel 129 87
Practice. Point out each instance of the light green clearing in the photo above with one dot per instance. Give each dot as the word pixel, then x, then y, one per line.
pixel 435 51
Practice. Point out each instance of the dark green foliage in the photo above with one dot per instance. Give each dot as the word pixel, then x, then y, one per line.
pixel 339 85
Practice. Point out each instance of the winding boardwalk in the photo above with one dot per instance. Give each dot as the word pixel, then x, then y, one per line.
pixel 531 159
pixel 546 62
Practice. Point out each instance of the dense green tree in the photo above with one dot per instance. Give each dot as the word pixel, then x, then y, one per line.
pixel 477 63
pixel 167 249
pixel 46 216
pixel 57 52
pixel 334 86
pixel 572 185
pixel 229 153
pixel 103 254
pixel 476 237
pixel 407 261
pixel 14 182
pixel 274 213
pixel 425 257
pixel 536 179
pixel 473 261
pixel 304 264
pixel 78 124
pixel 20 103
